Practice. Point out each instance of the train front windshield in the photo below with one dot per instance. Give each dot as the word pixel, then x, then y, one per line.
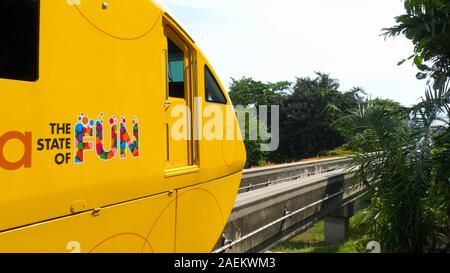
pixel 19 39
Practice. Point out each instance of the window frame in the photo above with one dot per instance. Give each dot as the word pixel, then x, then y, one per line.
pixel 173 32
pixel 174 35
pixel 209 70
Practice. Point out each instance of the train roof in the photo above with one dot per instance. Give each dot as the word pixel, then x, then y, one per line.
pixel 169 12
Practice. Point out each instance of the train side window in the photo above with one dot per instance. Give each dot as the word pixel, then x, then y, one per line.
pixel 213 93
pixel 176 71
pixel 19 39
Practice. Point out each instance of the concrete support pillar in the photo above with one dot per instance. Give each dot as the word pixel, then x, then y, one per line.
pixel 337 224
pixel 336 229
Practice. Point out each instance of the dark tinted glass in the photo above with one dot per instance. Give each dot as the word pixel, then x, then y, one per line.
pixel 212 89
pixel 19 39
pixel 176 71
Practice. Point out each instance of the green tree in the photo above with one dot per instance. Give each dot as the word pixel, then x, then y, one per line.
pixel 309 118
pixel 388 105
pixel 426 23
pixel 247 92
pixel 404 160
pixel 313 115
pixel 353 133
pixel 403 163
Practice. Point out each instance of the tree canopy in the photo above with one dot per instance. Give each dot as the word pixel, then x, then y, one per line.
pixel 312 112
pixel 426 23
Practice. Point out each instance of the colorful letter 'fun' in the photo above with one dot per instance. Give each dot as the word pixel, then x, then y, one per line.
pixel 84 130
pixel 126 141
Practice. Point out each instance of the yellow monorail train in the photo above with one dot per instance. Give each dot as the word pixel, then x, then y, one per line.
pixel 111 138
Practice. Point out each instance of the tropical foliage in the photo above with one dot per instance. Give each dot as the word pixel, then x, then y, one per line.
pixel 427 24
pixel 403 156
pixel 312 116
pixel 403 163
pixel 251 94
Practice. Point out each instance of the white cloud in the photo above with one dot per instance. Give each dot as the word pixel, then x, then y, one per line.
pixel 273 40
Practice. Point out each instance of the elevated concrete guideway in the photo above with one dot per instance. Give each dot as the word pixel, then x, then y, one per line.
pixel 270 212
pixel 256 178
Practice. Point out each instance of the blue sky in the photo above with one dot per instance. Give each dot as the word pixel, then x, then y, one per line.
pixel 275 40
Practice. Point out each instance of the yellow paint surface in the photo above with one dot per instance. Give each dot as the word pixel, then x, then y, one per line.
pixel 110 61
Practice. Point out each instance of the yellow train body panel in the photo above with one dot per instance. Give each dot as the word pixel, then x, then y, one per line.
pixel 87 158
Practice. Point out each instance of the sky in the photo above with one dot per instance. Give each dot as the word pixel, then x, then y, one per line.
pixel 278 40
